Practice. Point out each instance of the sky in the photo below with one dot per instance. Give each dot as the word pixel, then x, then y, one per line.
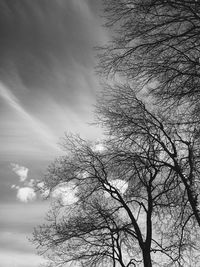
pixel 48 86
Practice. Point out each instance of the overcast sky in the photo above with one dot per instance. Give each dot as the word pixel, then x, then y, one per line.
pixel 47 87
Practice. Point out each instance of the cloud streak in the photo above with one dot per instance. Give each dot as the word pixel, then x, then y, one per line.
pixel 16 259
pixel 47 86
pixel 46 73
pixel 37 126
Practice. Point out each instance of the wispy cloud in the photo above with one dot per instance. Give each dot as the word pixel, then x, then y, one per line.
pixel 37 126
pixel 17 222
pixel 16 259
pixel 17 217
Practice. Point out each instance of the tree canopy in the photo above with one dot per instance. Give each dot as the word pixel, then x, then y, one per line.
pixel 157 44
pixel 136 194
pixel 133 198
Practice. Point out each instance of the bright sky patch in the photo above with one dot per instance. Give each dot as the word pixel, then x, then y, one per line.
pixel 65 193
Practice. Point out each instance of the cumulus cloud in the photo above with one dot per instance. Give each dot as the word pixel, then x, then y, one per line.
pixel 40 185
pixel 82 175
pixel 14 186
pixel 21 171
pixel 26 194
pixel 99 147
pixel 65 193
pixel 30 183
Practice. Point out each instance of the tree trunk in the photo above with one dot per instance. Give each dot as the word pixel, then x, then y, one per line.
pixel 147 259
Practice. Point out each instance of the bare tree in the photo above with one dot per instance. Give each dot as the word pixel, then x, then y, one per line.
pixel 156 43
pixel 136 200
pixel 99 229
pixel 177 141
pixel 137 197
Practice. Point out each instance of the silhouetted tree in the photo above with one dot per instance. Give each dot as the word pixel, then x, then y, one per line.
pixel 156 43
pixel 135 199
pixel 177 141
pixel 136 196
